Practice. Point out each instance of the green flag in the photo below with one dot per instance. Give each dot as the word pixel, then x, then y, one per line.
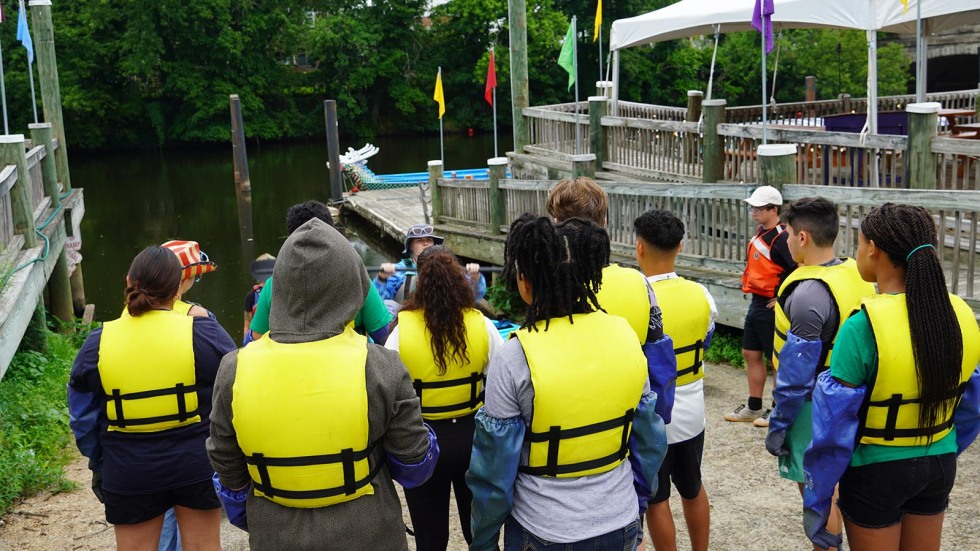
pixel 566 59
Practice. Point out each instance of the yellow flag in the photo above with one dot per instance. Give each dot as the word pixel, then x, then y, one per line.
pixel 598 21
pixel 905 4
pixel 437 95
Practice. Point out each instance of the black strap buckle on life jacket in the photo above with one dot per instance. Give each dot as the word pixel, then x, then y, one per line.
pixel 179 390
pixel 556 434
pixel 890 432
pixel 697 364
pixel 347 457
pixel 476 393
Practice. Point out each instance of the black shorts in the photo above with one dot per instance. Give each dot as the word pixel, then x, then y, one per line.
pixel 682 465
pixel 760 325
pixel 877 495
pixel 134 509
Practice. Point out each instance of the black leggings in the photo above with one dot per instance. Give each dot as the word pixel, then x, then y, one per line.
pixel 428 504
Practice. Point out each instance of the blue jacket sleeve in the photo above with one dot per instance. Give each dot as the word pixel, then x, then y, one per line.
pixel 389 287
pixel 662 369
pixel 414 475
pixel 967 415
pixel 794 382
pixel 835 426
pixel 493 469
pixel 233 502
pixel 648 446
pixel 84 403
pixel 481 289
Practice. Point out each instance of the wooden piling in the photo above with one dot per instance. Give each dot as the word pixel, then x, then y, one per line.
pixel 921 165
pixel 583 165
pixel 694 101
pixel 498 171
pixel 12 152
pixel 59 285
pixel 517 19
pixel 811 94
pixel 47 68
pixel 333 150
pixel 597 132
pixel 845 103
pixel 777 165
pixel 714 145
pixel 243 181
pixel 435 174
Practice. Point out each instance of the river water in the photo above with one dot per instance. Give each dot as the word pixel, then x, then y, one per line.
pixel 137 199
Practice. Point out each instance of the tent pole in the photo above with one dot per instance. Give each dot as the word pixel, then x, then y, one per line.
pixel 615 89
pixel 873 99
pixel 920 61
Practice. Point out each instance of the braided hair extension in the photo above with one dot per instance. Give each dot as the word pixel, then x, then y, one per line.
pixel 563 264
pixel 937 342
pixel 443 294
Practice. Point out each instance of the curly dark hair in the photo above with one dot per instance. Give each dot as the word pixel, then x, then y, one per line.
pixel 937 341
pixel 301 213
pixel 660 228
pixel 563 264
pixel 443 295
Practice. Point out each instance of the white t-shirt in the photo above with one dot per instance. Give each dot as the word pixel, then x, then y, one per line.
pixel 687 417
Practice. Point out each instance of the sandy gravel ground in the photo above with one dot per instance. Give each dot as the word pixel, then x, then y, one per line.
pixel 751 507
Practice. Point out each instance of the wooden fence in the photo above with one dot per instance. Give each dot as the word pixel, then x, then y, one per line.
pixel 8 176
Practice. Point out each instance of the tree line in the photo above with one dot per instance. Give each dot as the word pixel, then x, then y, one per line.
pixel 158 73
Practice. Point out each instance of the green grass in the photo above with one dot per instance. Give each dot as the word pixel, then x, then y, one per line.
pixel 726 347
pixel 34 432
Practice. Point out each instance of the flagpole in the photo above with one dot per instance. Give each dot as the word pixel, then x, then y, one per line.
pixel 920 61
pixel 600 52
pixel 575 66
pixel 30 69
pixel 762 11
pixel 3 94
pixel 442 147
pixel 495 155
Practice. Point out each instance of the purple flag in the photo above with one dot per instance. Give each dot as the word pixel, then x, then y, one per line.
pixel 762 21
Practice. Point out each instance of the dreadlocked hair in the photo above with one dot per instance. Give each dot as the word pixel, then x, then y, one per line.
pixel 443 294
pixel 563 263
pixel 937 342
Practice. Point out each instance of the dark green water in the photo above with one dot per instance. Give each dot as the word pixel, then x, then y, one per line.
pixel 133 200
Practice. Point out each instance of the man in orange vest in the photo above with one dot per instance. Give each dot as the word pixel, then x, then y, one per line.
pixel 768 263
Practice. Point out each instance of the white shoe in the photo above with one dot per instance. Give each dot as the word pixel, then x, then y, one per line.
pixel 743 414
pixel 763 420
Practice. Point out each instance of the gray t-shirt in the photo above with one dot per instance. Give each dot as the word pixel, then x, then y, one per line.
pixel 560 510
pixel 812 311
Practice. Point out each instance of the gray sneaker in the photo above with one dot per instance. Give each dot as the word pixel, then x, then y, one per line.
pixel 763 420
pixel 743 414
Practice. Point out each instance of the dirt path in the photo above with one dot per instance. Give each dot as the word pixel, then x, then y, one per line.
pixel 751 506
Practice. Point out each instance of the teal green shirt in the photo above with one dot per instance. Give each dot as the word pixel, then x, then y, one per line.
pixel 855 362
pixel 371 317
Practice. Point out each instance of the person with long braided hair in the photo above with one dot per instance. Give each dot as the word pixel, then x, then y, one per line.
pixel 568 443
pixel 901 399
pixel 446 345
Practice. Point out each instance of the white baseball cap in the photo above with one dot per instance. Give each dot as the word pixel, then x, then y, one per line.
pixel 765 195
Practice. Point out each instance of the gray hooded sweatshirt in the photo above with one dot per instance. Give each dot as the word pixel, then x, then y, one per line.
pixel 320 285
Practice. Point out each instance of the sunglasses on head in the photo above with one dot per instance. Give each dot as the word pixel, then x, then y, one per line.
pixel 418 231
pixel 204 261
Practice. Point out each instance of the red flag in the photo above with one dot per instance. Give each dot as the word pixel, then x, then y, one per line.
pixel 491 80
pixel 2 16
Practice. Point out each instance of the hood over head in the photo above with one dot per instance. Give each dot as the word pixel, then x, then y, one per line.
pixel 319 285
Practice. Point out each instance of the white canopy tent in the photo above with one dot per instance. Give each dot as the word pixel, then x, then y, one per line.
pixel 694 17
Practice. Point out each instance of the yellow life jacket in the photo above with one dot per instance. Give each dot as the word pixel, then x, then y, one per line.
pixel 146 364
pixel 449 395
pixel 687 316
pixel 845 285
pixel 890 415
pixel 301 415
pixel 624 293
pixel 182 307
pixel 588 378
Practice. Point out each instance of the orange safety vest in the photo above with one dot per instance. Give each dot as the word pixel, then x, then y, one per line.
pixel 761 275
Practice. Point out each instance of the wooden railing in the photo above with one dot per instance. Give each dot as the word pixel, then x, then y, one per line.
pixel 554 128
pixel 806 112
pixel 957 163
pixel 718 223
pixel 633 110
pixel 654 148
pixel 34 157
pixel 8 177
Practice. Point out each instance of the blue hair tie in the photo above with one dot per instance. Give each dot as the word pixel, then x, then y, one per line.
pixel 908 256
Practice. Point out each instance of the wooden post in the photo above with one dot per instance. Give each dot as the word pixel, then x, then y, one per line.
pixel 333 150
pixel 59 286
pixel 845 103
pixel 435 174
pixel 517 19
pixel 714 145
pixel 694 100
pixel 243 181
pixel 78 290
pixel 583 165
pixel 811 94
pixel 12 152
pixel 498 171
pixel 777 165
pixel 920 168
pixel 597 133
pixel 47 69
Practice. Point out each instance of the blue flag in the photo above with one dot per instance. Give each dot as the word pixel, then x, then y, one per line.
pixel 23 34
pixel 762 21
